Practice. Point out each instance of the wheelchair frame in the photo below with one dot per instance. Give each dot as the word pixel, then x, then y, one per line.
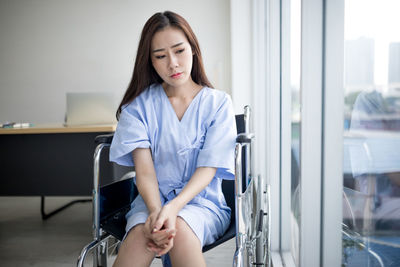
pixel 251 204
pixel 251 207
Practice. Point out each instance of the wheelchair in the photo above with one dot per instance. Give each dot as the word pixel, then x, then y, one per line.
pixel 247 196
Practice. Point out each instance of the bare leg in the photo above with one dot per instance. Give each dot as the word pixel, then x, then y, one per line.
pixel 187 248
pixel 133 251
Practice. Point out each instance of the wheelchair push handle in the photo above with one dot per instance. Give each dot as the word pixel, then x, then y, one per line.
pixel 260 221
pixel 104 139
pixel 244 138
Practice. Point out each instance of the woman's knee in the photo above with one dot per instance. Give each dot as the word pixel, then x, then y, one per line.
pixel 187 247
pixel 185 234
pixel 133 250
pixel 136 236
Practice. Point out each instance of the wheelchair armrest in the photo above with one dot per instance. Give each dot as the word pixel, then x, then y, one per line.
pixel 244 138
pixel 104 139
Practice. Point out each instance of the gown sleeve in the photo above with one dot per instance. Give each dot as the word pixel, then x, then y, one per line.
pixel 219 146
pixel 131 133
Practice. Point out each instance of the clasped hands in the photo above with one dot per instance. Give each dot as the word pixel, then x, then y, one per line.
pixel 160 229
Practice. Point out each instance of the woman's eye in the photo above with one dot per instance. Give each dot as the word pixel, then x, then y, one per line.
pixel 160 56
pixel 180 51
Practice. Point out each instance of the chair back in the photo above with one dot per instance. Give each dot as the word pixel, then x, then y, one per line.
pixel 240 125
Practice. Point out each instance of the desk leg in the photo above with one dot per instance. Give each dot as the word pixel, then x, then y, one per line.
pixel 45 215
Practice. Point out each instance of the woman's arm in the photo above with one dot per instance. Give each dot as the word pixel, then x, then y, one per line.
pixel 199 180
pixel 146 180
pixel 169 212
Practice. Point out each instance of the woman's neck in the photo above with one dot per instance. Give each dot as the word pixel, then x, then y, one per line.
pixel 188 90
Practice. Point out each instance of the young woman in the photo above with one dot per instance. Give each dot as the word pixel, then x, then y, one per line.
pixel 180 135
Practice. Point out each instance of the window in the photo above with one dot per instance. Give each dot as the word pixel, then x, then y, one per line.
pixel 295 56
pixel 371 165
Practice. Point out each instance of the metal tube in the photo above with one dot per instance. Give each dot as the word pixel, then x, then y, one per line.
pixel 247 114
pixel 94 244
pixel 238 176
pixel 84 252
pixel 251 156
pixel 238 257
pixel 248 170
pixel 96 197
pixel 260 238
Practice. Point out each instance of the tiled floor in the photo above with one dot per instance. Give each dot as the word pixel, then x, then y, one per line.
pixel 26 240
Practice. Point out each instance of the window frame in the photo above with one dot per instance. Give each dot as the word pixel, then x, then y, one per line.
pixel 261 27
pixel 321 134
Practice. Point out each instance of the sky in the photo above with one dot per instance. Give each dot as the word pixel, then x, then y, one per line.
pixel 377 19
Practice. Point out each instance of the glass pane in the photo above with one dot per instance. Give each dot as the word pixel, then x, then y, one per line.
pixel 371 206
pixel 295 52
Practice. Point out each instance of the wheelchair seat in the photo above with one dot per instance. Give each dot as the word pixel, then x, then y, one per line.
pixel 112 213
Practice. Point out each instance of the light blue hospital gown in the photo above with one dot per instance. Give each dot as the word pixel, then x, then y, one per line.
pixel 204 137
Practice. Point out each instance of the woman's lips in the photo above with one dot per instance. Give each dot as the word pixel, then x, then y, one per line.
pixel 176 75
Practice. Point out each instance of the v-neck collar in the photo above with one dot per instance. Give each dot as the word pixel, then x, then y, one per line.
pixel 187 109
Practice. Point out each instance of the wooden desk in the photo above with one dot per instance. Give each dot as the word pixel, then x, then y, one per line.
pixel 48 160
pixel 59 128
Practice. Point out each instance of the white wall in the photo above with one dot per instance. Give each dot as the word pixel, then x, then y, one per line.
pixel 50 47
pixel 241 52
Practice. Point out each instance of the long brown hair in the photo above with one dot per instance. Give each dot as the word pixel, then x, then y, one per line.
pixel 144 73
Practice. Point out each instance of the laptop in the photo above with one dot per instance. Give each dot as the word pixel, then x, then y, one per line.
pixel 92 108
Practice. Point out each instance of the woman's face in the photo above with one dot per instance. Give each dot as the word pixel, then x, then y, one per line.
pixel 172 57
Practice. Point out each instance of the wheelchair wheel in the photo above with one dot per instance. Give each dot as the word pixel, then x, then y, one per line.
pixel 262 244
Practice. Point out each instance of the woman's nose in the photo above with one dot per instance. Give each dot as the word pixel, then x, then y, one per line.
pixel 173 62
